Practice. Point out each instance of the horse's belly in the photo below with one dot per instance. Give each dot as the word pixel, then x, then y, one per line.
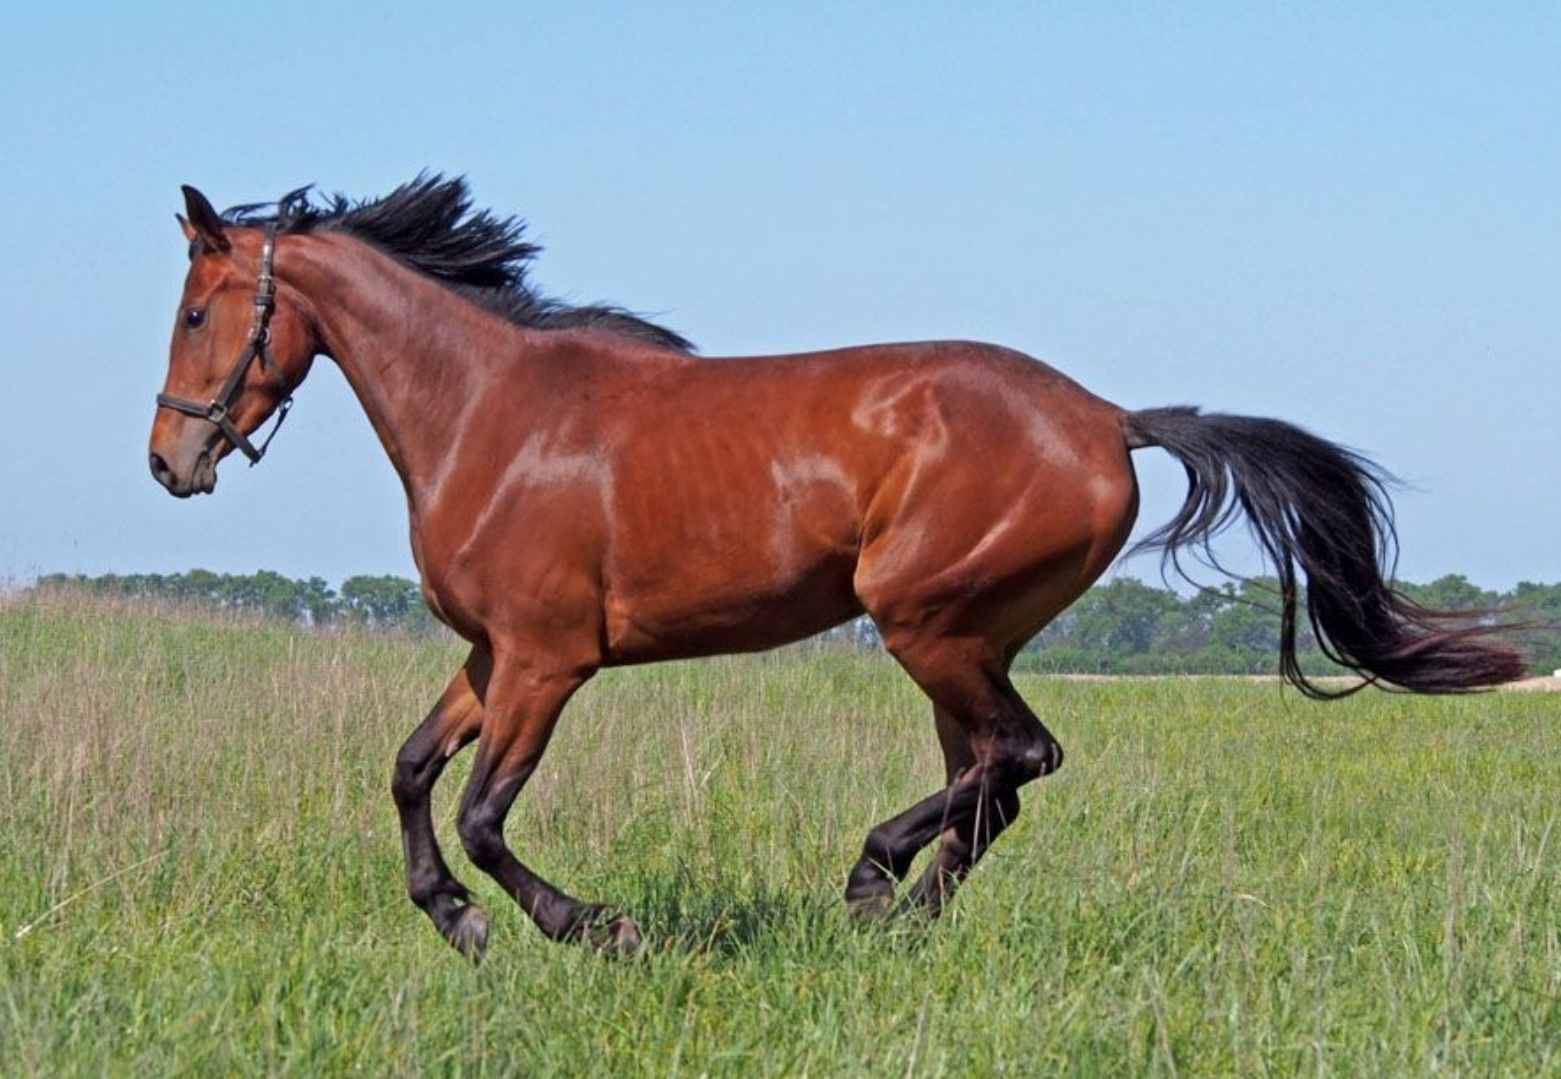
pixel 706 609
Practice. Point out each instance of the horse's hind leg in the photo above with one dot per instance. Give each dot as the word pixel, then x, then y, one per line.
pixel 1007 747
pixel 452 723
pixel 960 848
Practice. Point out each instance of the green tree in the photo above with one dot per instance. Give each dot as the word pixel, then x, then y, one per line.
pixel 1112 623
pixel 385 601
pixel 1247 631
pixel 1452 592
pixel 318 602
pixel 1539 606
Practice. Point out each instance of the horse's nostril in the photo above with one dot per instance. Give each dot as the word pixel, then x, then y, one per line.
pixel 160 468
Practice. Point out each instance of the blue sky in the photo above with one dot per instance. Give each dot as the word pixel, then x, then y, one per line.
pixel 1344 215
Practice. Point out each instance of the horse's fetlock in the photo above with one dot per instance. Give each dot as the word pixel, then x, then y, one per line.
pixel 883 851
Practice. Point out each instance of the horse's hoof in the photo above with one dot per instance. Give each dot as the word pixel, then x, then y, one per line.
pixel 469 933
pixel 871 906
pixel 618 937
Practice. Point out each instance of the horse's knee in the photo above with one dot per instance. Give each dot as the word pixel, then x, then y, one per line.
pixel 482 835
pixel 409 780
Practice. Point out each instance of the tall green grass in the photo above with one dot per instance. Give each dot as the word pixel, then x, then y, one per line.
pixel 200 874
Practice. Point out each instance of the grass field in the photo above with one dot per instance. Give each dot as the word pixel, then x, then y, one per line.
pixel 200 874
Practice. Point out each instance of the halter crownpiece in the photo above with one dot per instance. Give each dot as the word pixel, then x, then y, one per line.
pixel 216 411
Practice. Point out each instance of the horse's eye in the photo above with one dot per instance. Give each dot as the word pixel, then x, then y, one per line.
pixel 194 318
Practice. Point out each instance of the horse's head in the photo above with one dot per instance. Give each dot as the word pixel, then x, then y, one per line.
pixel 241 344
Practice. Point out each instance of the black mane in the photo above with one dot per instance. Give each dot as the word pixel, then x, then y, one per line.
pixel 429 225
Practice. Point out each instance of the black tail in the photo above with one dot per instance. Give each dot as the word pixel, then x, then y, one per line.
pixel 1314 505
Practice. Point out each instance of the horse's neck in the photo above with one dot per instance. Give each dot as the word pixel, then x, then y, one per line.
pixel 418 356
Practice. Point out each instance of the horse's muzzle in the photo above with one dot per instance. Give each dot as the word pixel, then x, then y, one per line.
pixel 200 478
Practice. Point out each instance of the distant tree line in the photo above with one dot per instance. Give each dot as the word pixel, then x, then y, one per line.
pixel 1128 627
pixel 382 602
pixel 1121 627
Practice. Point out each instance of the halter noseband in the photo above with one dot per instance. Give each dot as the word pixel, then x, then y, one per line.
pixel 216 411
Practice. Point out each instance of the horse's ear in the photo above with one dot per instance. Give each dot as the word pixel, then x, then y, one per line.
pixel 204 223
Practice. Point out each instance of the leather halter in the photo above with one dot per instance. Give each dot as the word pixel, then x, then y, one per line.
pixel 216 411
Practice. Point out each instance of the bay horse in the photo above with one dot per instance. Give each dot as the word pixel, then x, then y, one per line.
pixel 585 492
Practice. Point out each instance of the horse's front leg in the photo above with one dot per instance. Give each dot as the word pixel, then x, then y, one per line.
pixel 522 704
pixel 453 723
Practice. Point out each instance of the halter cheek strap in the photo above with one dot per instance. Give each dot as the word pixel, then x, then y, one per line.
pixel 216 411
